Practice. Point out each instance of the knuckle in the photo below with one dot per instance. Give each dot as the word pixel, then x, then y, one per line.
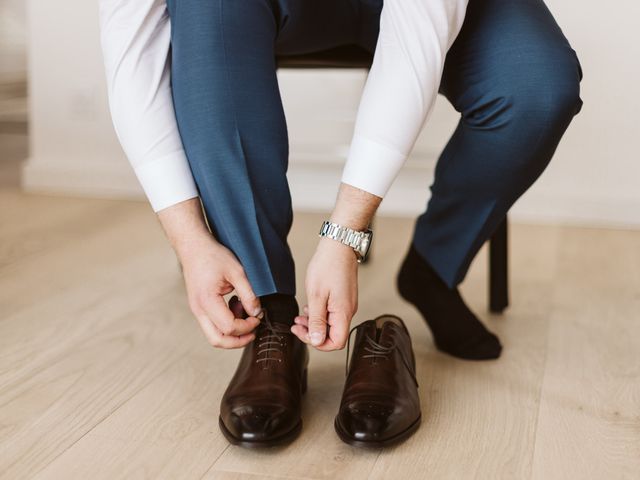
pixel 195 303
pixel 195 309
pixel 203 302
pixel 198 311
pixel 314 292
pixel 226 329
pixel 236 271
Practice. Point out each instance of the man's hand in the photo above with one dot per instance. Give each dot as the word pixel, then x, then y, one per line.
pixel 332 293
pixel 210 272
pixel 332 276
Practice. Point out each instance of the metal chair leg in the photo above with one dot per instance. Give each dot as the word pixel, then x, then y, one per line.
pixel 498 269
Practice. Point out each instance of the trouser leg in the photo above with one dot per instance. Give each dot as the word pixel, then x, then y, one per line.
pixel 231 120
pixel 515 79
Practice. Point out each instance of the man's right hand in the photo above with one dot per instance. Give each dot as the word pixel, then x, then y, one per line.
pixel 210 272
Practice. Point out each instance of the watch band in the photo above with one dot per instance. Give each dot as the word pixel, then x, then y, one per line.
pixel 360 241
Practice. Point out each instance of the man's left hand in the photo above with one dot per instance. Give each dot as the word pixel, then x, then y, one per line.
pixel 332 292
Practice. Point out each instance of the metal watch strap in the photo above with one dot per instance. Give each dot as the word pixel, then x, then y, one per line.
pixel 345 235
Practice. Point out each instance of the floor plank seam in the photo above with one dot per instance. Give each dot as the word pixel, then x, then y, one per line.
pixel 541 387
pixel 161 293
pixel 262 475
pixel 373 467
pixel 115 409
pixel 214 462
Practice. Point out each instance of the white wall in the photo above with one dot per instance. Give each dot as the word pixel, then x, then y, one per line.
pixel 594 178
pixel 13 43
pixel 72 143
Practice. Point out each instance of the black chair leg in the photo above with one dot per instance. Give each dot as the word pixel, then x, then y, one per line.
pixel 498 269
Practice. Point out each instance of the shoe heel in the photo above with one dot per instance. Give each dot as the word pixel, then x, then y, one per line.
pixel 304 381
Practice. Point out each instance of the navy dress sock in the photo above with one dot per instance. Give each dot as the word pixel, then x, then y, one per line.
pixel 455 329
pixel 282 308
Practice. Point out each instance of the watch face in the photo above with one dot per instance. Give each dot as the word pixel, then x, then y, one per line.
pixel 365 244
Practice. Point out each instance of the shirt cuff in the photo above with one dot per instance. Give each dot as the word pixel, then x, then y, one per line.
pixel 167 181
pixel 372 166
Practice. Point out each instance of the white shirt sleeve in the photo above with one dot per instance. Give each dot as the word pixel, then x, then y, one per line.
pixel 135 36
pixel 401 88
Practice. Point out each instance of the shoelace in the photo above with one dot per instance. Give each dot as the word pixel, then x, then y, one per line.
pixel 375 350
pixel 270 339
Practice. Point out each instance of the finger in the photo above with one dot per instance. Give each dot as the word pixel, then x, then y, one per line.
pixel 339 328
pixel 250 302
pixel 215 337
pixel 327 346
pixel 209 330
pixel 301 320
pixel 301 332
pixel 317 319
pixel 227 341
pixel 222 317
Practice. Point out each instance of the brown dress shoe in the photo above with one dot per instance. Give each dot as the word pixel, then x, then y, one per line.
pixel 380 404
pixel 262 404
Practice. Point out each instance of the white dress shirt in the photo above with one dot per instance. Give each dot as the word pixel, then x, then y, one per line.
pixel 398 97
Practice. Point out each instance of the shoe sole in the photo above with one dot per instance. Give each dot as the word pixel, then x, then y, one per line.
pixel 285 439
pixel 387 442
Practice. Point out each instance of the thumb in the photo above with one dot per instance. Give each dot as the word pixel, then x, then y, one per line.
pixel 317 320
pixel 249 301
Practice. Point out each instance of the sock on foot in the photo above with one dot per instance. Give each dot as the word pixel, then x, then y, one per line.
pixel 455 329
pixel 281 307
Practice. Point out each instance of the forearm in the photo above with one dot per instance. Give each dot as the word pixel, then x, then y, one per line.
pixel 185 226
pixel 354 207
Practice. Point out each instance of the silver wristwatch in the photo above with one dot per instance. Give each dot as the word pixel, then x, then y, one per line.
pixel 359 241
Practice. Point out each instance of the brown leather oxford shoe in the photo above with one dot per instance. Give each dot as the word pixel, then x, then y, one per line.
pixel 262 404
pixel 380 404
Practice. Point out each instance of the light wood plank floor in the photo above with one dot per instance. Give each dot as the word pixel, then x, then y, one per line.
pixel 105 375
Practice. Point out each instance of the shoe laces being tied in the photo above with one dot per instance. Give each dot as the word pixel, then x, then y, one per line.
pixel 271 338
pixel 376 350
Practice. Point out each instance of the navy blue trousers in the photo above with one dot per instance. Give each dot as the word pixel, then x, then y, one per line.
pixel 511 74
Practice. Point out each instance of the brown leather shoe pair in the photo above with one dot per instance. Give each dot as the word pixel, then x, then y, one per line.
pixel 380 406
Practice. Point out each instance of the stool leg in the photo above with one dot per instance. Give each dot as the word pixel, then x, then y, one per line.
pixel 498 269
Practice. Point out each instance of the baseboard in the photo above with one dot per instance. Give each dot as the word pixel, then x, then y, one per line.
pixel 314 181
pixel 538 206
pixel 103 180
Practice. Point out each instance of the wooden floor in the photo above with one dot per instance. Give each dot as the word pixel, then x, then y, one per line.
pixel 105 375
